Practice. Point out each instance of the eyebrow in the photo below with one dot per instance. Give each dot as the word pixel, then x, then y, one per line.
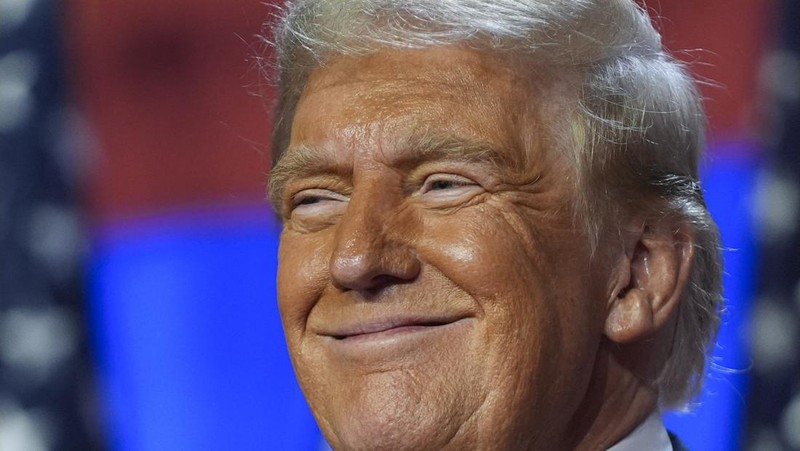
pixel 307 161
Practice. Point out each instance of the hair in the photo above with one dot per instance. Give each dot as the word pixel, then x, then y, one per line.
pixel 637 132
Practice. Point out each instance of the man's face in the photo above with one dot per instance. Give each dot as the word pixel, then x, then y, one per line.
pixel 433 288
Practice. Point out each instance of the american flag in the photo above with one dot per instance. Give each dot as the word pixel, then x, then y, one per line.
pixel 46 394
pixel 172 64
pixel 774 404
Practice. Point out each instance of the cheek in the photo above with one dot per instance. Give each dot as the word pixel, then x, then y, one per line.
pixel 494 258
pixel 302 276
pixel 529 275
pixel 499 269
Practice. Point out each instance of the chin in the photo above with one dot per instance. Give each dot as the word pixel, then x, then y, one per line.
pixel 390 413
pixel 378 431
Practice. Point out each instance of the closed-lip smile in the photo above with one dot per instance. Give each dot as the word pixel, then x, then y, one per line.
pixel 377 338
pixel 388 326
pixel 385 338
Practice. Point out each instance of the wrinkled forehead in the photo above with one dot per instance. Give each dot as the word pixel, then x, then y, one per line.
pixel 445 90
pixel 455 65
pixel 394 81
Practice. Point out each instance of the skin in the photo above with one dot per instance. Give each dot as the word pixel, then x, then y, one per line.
pixel 434 289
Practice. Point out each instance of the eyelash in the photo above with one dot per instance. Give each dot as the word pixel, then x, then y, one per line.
pixel 312 197
pixel 307 200
pixel 315 196
pixel 452 181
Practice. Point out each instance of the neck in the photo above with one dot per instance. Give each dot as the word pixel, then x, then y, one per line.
pixel 617 400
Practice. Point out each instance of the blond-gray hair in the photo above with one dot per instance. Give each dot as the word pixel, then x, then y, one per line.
pixel 638 131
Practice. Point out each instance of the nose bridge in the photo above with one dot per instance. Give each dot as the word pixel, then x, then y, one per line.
pixel 362 229
pixel 370 248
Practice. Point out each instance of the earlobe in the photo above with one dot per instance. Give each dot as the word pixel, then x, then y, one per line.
pixel 657 271
pixel 630 318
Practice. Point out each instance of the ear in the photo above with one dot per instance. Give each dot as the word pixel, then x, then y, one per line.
pixel 656 268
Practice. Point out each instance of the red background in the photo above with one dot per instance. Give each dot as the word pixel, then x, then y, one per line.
pixel 168 87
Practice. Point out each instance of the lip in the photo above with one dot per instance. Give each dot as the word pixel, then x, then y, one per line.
pixel 400 337
pixel 389 326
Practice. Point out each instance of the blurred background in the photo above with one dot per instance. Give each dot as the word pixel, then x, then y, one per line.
pixel 137 252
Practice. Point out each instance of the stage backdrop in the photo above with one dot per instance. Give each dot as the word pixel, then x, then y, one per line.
pixel 182 295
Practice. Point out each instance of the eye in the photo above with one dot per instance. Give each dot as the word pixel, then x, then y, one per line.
pixel 315 199
pixel 446 184
pixel 443 184
pixel 307 200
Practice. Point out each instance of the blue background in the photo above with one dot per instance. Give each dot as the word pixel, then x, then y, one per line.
pixel 192 354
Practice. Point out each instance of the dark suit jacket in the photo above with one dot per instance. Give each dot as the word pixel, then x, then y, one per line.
pixel 677 445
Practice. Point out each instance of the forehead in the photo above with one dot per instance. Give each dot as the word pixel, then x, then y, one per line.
pixel 451 68
pixel 392 93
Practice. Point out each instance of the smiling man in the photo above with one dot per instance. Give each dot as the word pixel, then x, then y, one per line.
pixel 494 236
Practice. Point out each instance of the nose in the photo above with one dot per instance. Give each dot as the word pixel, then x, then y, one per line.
pixel 373 245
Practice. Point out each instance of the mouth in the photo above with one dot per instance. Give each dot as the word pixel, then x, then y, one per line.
pixel 380 341
pixel 389 327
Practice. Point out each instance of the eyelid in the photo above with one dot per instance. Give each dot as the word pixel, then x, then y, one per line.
pixel 316 192
pixel 446 177
pixel 478 172
pixel 297 185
